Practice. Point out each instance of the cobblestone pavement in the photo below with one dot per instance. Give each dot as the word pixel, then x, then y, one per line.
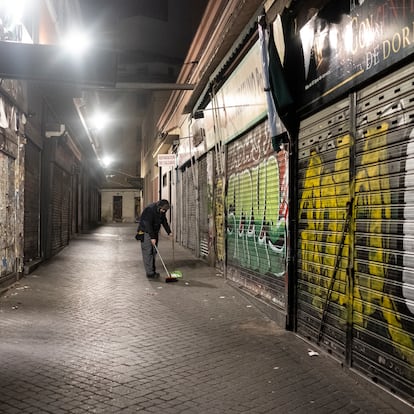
pixel 87 332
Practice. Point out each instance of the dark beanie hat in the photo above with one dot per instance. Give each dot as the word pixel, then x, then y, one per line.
pixel 164 204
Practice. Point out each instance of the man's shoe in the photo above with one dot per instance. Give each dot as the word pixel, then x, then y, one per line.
pixel 156 275
pixel 150 275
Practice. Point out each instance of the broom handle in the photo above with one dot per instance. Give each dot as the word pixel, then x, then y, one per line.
pixel 162 261
pixel 172 240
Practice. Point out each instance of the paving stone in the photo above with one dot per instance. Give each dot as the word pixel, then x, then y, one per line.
pixel 92 334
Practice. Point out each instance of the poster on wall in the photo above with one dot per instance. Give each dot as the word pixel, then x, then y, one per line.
pixel 347 43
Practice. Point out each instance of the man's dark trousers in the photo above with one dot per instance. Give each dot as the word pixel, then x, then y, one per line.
pixel 148 255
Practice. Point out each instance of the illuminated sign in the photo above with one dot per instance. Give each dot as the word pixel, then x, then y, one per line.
pixel 341 51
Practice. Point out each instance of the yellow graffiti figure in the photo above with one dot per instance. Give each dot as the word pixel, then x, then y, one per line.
pixel 327 188
pixel 323 206
pixel 373 195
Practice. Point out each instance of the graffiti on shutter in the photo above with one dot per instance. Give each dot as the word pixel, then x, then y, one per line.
pixel 219 218
pixel 203 191
pixel 383 311
pixel 323 191
pixel 7 217
pixel 256 206
pixel 370 318
pixel 192 207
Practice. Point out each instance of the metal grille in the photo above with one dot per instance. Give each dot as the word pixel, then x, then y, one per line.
pixel 323 192
pixel 370 313
pixel 31 202
pixel 189 209
pixel 7 217
pixel 256 219
pixel 204 207
pixel 219 215
pixel 60 210
pixel 383 311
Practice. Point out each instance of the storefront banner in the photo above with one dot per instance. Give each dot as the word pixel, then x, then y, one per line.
pixel 343 50
pixel 239 103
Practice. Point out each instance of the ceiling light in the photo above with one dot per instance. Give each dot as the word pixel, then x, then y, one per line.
pixel 99 121
pixel 107 161
pixel 77 42
pixel 13 10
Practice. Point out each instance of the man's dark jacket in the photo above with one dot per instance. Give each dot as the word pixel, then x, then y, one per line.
pixel 151 220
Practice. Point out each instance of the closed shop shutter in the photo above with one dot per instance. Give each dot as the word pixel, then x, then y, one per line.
pixel 60 209
pixel 190 230
pixel 179 213
pixel 256 215
pixel 323 191
pixel 204 207
pixel 185 221
pixel 7 217
pixel 383 312
pixel 32 202
pixel 219 215
pixel 369 319
pixel 192 208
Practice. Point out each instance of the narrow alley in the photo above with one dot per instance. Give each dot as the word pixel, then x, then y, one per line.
pixel 87 332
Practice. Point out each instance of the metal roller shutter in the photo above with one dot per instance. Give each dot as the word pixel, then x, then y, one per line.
pixel 204 207
pixel 179 206
pixel 323 191
pixel 219 215
pixel 60 209
pixel 189 208
pixel 7 217
pixel 370 313
pixel 256 215
pixel 383 312
pixel 185 222
pixel 32 202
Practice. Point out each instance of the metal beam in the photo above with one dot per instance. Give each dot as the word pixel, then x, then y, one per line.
pixel 52 64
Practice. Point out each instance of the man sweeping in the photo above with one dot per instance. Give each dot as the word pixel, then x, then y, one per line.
pixel 152 217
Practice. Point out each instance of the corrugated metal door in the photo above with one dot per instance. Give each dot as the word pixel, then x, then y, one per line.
pixel 204 207
pixel 370 312
pixel 190 230
pixel 192 208
pixel 184 211
pixel 7 217
pixel 256 215
pixel 179 217
pixel 32 202
pixel 323 191
pixel 383 312
pixel 219 214
pixel 60 209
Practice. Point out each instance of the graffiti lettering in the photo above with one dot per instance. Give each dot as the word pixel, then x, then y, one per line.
pixel 256 233
pixel 219 220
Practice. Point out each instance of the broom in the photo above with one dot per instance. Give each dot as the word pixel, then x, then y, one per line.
pixel 169 278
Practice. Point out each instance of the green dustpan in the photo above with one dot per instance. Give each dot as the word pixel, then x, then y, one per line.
pixel 175 273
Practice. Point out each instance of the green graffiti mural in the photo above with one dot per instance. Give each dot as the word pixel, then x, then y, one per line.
pixel 256 217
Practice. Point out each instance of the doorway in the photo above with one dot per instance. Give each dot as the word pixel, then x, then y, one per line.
pixel 117 209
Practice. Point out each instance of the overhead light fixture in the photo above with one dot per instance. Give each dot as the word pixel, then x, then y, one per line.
pixel 99 121
pixel 107 161
pixel 77 42
pixel 13 10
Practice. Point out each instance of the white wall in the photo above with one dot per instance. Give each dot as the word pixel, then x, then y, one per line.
pixel 128 205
